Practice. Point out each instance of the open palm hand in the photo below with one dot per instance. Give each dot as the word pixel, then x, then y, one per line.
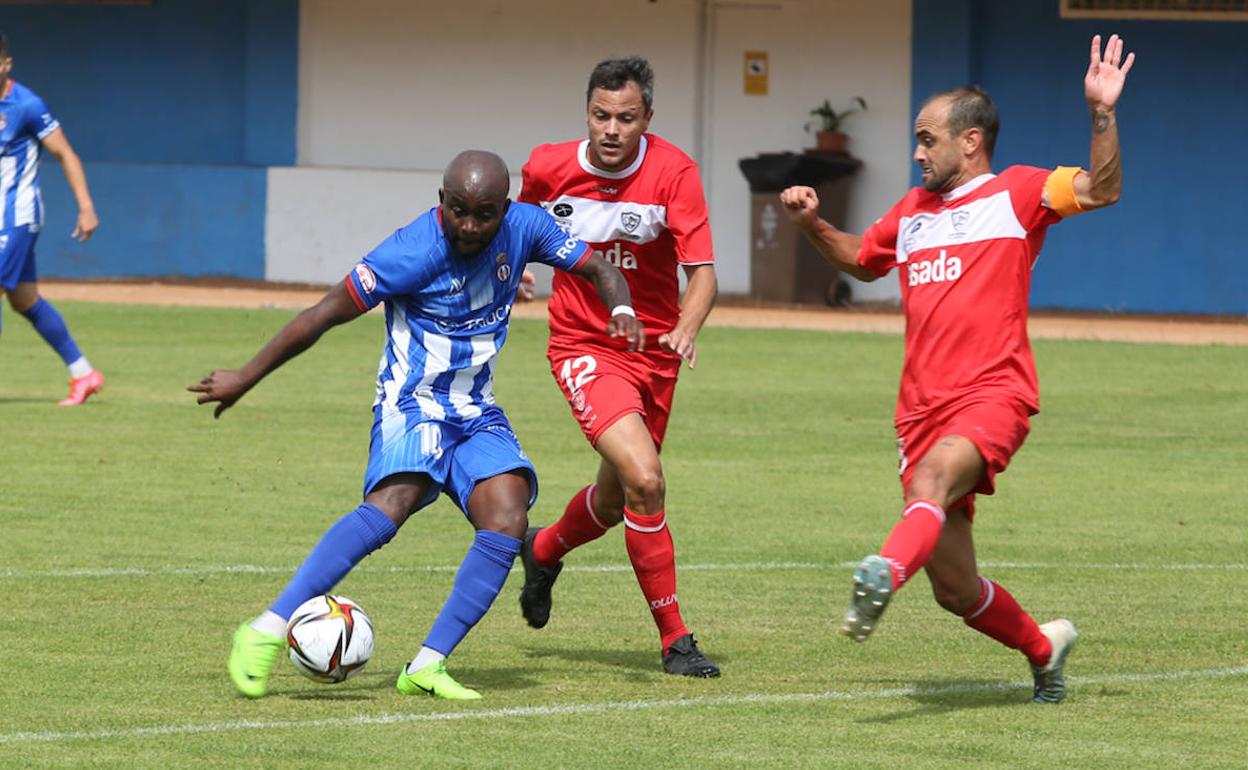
pixel 1102 85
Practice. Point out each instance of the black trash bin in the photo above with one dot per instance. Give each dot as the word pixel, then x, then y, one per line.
pixel 784 266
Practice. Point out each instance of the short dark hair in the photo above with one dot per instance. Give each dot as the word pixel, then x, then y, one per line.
pixel 971 107
pixel 614 74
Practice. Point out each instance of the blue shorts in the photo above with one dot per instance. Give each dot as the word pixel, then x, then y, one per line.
pixel 456 455
pixel 17 257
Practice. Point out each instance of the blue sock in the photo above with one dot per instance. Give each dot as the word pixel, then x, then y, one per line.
pixel 480 578
pixel 51 326
pixel 352 537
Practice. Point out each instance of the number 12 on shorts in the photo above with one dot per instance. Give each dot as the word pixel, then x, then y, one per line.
pixel 578 372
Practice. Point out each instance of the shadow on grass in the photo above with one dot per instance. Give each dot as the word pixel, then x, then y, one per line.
pixel 631 660
pixel 942 696
pixel 366 685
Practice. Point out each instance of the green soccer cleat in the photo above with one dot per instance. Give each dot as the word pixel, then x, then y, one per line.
pixel 873 587
pixel 1050 680
pixel 252 658
pixel 433 680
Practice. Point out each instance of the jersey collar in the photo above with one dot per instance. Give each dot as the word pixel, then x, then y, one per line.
pixel 966 188
pixel 582 152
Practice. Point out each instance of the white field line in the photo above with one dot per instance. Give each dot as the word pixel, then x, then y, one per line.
pixel 255 569
pixel 51 736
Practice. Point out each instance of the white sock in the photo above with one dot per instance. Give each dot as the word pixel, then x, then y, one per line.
pixel 423 658
pixel 80 368
pixel 271 623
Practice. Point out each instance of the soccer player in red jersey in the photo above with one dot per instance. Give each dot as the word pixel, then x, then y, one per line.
pixel 638 201
pixel 964 245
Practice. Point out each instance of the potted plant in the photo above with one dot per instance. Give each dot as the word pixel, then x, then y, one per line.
pixel 826 124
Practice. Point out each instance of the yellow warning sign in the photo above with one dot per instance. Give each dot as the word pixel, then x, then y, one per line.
pixel 756 71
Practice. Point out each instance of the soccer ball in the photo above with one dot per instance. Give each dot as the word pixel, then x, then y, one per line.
pixel 330 638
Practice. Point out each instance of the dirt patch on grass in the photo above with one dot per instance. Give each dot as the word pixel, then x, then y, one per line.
pixel 1183 330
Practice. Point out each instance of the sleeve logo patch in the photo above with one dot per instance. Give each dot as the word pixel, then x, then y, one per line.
pixel 367 279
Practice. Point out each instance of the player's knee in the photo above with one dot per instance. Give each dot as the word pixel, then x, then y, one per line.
pixel 955 599
pixel 509 520
pixel 645 490
pixel 22 302
pixel 929 482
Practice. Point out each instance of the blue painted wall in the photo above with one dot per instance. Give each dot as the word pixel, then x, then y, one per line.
pixel 176 108
pixel 158 220
pixel 177 81
pixel 1172 243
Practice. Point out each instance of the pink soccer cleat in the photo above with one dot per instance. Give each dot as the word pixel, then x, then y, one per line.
pixel 82 387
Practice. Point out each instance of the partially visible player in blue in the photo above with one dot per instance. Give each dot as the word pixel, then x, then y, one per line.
pixel 448 281
pixel 26 128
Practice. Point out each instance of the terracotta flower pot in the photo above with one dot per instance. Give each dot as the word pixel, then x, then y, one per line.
pixel 831 141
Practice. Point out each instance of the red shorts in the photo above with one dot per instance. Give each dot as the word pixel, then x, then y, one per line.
pixel 996 427
pixel 602 385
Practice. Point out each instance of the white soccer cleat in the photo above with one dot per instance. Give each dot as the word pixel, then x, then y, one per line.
pixel 1050 680
pixel 873 587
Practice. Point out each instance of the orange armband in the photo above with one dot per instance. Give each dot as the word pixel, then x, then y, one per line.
pixel 1060 187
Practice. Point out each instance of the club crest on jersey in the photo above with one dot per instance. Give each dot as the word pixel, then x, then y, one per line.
pixel 367 279
pixel 562 210
pixel 959 219
pixel 503 272
pixel 4 121
pixel 630 220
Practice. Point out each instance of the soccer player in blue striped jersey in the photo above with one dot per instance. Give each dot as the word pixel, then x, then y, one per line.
pixel 448 281
pixel 26 129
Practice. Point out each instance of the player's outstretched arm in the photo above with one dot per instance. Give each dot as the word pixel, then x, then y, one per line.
pixel 613 291
pixel 225 386
pixel 801 204
pixel 1102 87
pixel 57 144
pixel 700 292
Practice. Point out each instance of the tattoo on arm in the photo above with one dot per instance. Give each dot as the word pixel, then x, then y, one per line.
pixel 1100 124
pixel 612 288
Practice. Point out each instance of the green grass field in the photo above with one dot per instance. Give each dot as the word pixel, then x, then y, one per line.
pixel 137 533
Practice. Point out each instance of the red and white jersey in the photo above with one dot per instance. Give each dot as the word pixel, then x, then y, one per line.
pixel 964 259
pixel 645 219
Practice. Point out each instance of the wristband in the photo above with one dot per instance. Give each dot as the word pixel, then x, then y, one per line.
pixel 623 310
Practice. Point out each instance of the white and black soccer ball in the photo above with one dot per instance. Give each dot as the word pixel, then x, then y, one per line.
pixel 330 638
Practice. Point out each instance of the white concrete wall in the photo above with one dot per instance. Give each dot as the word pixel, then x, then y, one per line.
pixel 818 49
pixel 406 85
pixel 320 221
pixel 390 90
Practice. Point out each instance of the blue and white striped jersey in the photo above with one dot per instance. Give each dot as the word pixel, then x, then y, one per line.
pixel 24 123
pixel 447 315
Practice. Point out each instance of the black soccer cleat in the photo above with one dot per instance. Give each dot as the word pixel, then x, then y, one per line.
pixel 538 580
pixel 685 659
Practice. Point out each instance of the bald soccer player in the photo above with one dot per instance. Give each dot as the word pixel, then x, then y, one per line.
pixel 448 281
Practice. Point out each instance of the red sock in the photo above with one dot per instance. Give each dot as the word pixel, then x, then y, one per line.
pixel 653 556
pixel 576 527
pixel 998 615
pixel 913 539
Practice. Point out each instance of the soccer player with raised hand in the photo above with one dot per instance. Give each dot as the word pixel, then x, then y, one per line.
pixel 448 281
pixel 964 245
